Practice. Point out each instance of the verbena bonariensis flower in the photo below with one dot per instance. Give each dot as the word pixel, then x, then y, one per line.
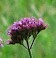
pixel 24 28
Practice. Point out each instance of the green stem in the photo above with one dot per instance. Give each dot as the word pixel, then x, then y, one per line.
pixel 24 46
pixel 33 40
pixel 28 49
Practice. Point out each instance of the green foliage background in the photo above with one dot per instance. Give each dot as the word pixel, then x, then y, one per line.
pixel 45 43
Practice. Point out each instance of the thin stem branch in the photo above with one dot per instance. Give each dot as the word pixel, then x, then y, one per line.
pixel 28 49
pixel 32 43
pixel 33 40
pixel 24 46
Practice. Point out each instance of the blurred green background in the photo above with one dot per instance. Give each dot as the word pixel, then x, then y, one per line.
pixel 45 43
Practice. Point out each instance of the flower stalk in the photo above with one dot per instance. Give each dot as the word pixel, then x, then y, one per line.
pixel 28 49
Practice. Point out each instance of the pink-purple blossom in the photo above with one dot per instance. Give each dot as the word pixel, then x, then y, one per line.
pixel 24 28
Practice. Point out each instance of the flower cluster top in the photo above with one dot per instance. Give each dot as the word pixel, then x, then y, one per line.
pixel 24 28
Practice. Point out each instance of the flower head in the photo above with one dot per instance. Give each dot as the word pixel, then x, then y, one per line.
pixel 24 28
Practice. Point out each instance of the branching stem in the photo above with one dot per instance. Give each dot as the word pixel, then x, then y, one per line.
pixel 24 46
pixel 28 49
pixel 33 40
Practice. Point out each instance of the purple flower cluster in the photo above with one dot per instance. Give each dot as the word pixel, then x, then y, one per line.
pixel 24 28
